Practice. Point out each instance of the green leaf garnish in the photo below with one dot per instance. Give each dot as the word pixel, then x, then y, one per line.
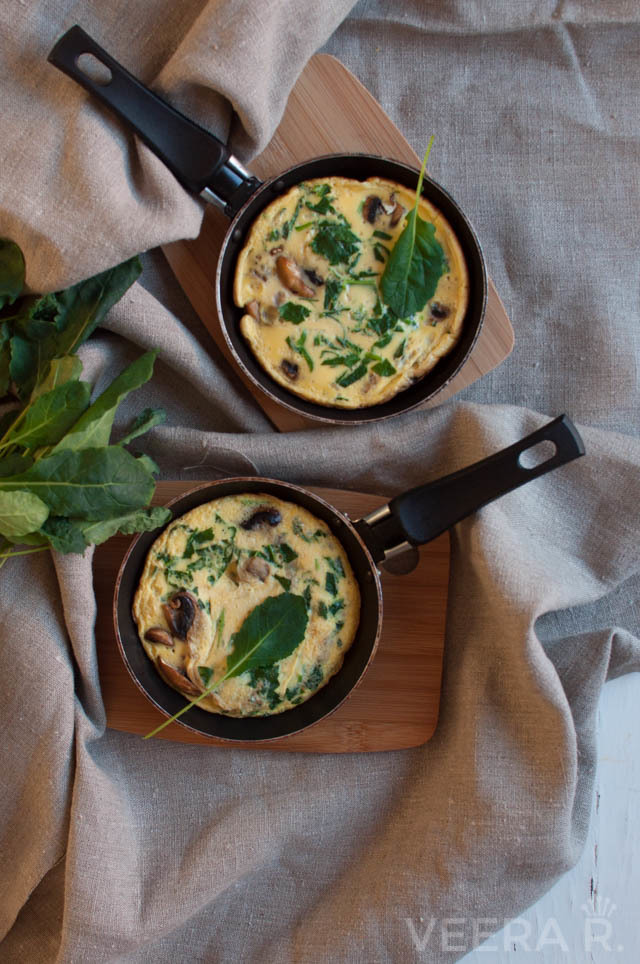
pixel 294 313
pixel 335 241
pixel 270 633
pixel 416 263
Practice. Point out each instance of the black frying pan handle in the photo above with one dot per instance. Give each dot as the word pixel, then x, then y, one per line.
pixel 425 512
pixel 200 161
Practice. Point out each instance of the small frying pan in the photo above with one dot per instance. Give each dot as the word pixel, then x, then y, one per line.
pixel 204 166
pixel 408 520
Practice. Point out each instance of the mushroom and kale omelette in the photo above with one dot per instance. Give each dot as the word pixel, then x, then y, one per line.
pixel 211 567
pixel 308 280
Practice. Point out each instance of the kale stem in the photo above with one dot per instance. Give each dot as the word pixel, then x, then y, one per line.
pixel 184 709
pixel 22 552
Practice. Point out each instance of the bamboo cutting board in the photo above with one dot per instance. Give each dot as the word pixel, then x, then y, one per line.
pixel 394 707
pixel 328 112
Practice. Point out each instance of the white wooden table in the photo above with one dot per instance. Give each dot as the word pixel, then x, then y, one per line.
pixel 592 914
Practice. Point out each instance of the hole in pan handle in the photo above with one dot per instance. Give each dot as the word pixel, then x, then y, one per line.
pixel 427 511
pixel 201 162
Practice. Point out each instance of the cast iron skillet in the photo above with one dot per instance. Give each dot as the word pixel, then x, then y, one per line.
pixel 408 520
pixel 204 166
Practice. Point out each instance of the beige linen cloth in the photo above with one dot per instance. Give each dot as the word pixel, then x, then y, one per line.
pixel 115 849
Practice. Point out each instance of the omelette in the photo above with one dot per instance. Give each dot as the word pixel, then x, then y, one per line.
pixel 210 568
pixel 308 282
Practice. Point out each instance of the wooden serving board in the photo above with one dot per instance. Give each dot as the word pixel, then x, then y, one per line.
pixel 394 707
pixel 328 112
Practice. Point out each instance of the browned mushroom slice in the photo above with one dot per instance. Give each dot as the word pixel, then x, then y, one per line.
pixel 439 311
pixel 396 214
pixel 158 635
pixel 290 275
pixel 290 369
pixel 176 679
pixel 252 569
pixel 372 208
pixel 180 612
pixel 265 515
pixel 253 309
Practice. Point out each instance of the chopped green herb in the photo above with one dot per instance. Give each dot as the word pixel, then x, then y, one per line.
pixel 294 313
pixel 266 681
pixel 335 563
pixel 384 368
pixel 314 678
pixel 196 539
pixel 330 584
pixel 335 241
pixel 306 595
pixel 399 352
pixel 299 347
pixel 353 376
pixel 322 610
pixel 286 230
pixel 206 674
pixel 332 291
pixel 383 235
pixel 284 582
pixel 301 227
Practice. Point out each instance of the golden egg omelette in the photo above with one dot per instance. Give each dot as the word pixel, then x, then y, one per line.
pixel 308 280
pixel 208 571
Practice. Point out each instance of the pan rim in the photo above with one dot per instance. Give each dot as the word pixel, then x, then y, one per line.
pixel 341 519
pixel 337 416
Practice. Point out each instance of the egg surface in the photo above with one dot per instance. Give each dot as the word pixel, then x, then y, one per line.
pixel 210 568
pixel 308 279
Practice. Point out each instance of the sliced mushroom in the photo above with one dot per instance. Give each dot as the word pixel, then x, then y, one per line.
pixel 253 309
pixel 158 635
pixel 290 275
pixel 370 382
pixel 263 315
pixel 277 250
pixel 439 311
pixel 290 369
pixel 279 298
pixel 265 515
pixel 255 567
pixel 180 613
pixel 313 276
pixel 396 214
pixel 177 679
pixel 372 208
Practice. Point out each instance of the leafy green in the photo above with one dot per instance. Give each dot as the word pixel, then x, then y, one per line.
pixel 57 324
pixel 330 584
pixel 62 484
pixel 294 313
pixel 65 369
pixel 138 520
pixel 335 241
pixel 148 418
pixel 11 272
pixel 384 367
pixel 93 483
pixel 20 513
pixel 270 633
pixel 298 346
pixel 332 292
pixel 349 377
pixel 267 680
pixel 196 538
pixel 50 416
pixel 93 428
pixel 416 263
